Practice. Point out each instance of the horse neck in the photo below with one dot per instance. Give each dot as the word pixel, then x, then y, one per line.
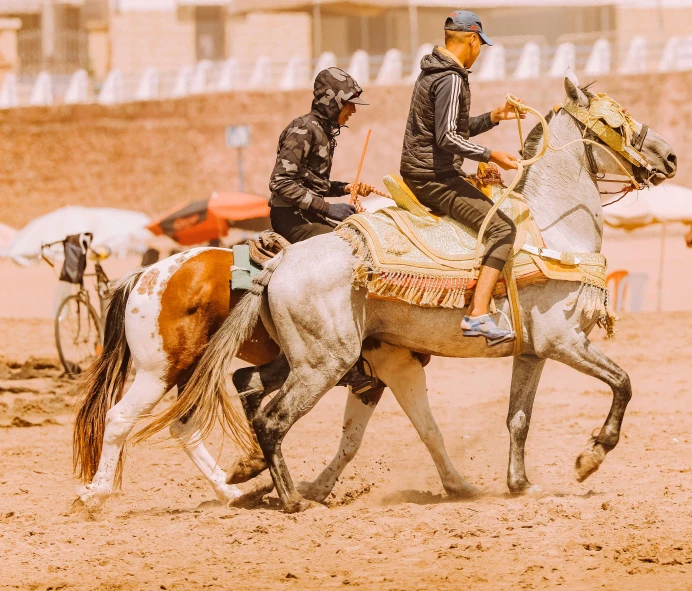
pixel 562 195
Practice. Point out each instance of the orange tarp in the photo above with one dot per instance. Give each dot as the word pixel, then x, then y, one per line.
pixel 209 219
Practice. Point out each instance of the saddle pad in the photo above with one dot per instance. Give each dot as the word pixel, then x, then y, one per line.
pixel 415 257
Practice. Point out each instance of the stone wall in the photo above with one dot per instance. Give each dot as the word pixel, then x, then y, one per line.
pixel 151 156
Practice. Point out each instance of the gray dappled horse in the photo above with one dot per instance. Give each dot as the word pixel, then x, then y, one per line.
pixel 312 309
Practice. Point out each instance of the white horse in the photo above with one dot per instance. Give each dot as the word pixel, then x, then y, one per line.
pixel 320 319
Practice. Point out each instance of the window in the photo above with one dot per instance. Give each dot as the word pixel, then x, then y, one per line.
pixel 210 35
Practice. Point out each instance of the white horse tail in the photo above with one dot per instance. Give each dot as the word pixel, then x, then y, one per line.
pixel 101 386
pixel 205 393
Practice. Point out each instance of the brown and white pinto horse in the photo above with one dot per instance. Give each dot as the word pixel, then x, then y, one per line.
pixel 160 319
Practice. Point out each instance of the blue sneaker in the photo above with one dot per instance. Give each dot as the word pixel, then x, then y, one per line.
pixel 484 326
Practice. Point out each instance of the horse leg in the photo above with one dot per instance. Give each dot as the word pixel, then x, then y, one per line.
pixel 526 373
pixel 252 385
pixel 186 433
pixel 359 409
pixel 139 400
pixel 271 423
pixel 584 356
pixel 403 372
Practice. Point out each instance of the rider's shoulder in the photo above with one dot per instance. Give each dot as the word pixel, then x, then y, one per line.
pixel 303 125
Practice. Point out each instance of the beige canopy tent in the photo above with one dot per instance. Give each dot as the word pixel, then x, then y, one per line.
pixel 664 205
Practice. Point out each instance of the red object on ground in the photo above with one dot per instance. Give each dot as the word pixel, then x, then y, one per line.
pixel 209 219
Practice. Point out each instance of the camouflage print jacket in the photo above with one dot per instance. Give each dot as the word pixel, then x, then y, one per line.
pixel 306 147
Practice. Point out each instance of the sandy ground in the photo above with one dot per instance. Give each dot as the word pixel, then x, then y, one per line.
pixel 389 524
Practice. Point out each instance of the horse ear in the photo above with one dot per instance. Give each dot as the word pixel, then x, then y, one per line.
pixel 572 89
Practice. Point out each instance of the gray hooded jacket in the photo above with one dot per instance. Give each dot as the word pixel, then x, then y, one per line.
pixel 306 147
pixel 439 125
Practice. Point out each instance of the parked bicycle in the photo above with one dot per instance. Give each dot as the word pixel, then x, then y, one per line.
pixel 78 326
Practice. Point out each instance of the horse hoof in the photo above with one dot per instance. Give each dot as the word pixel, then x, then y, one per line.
pixel 244 469
pixel 252 494
pixel 309 491
pixel 588 462
pixel 228 493
pixel 89 499
pixel 463 490
pixel 303 505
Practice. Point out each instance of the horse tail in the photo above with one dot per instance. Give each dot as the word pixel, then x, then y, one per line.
pixel 205 393
pixel 101 386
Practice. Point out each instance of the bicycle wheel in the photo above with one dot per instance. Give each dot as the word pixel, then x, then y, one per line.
pixel 78 334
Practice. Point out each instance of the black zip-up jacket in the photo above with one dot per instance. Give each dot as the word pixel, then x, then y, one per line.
pixel 439 126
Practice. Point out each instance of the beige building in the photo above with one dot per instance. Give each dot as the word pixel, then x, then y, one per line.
pixel 132 35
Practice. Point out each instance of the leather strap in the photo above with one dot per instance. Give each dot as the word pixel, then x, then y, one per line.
pixel 514 306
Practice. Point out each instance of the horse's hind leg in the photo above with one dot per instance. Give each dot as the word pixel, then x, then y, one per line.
pixel 252 385
pixel 581 354
pixel 359 409
pixel 139 400
pixel 403 372
pixel 526 373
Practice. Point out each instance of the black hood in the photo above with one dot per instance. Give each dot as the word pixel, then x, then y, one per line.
pixel 439 62
pixel 333 89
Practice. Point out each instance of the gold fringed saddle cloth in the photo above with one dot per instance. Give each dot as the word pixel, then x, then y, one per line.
pixel 406 253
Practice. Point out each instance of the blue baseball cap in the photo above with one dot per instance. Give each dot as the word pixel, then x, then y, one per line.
pixel 467 22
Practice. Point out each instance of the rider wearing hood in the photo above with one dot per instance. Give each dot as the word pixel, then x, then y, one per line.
pixel 300 180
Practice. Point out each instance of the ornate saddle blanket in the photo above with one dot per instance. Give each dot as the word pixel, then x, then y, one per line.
pixel 406 253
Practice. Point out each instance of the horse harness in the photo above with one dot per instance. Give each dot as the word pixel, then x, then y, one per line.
pixel 611 125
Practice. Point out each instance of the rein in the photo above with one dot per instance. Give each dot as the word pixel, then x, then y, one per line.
pixel 628 150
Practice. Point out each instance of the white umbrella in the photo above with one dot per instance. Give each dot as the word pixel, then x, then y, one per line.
pixel 6 235
pixel 657 205
pixel 663 205
pixel 120 230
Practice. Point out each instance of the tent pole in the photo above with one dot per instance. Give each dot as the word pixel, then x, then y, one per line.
pixel 316 31
pixel 413 28
pixel 661 262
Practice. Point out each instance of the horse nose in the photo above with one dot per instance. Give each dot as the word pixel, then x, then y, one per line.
pixel 671 163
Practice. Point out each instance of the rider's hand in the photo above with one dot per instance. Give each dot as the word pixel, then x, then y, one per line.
pixel 505 112
pixel 363 189
pixel 340 211
pixel 504 160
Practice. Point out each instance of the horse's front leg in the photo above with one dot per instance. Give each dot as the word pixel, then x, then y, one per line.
pixel 526 373
pixel 359 409
pixel 583 355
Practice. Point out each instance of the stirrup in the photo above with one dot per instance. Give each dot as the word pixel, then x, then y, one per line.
pixel 359 379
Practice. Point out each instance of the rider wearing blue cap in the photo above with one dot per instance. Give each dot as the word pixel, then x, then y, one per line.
pixel 437 141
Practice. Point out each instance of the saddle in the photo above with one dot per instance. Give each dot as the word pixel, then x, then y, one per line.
pixel 410 254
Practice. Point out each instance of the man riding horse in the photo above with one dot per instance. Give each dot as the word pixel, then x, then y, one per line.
pixel 435 145
pixel 300 180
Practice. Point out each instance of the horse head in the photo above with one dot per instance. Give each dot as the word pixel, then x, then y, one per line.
pixel 648 157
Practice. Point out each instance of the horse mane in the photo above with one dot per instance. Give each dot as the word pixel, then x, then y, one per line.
pixel 533 140
pixel 530 149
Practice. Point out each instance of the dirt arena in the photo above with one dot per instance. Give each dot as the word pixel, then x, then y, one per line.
pixel 389 525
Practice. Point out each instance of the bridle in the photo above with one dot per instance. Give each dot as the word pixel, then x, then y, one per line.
pixel 612 128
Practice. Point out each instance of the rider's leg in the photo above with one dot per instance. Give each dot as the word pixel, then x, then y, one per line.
pixel 485 286
pixel 296 225
pixel 460 200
